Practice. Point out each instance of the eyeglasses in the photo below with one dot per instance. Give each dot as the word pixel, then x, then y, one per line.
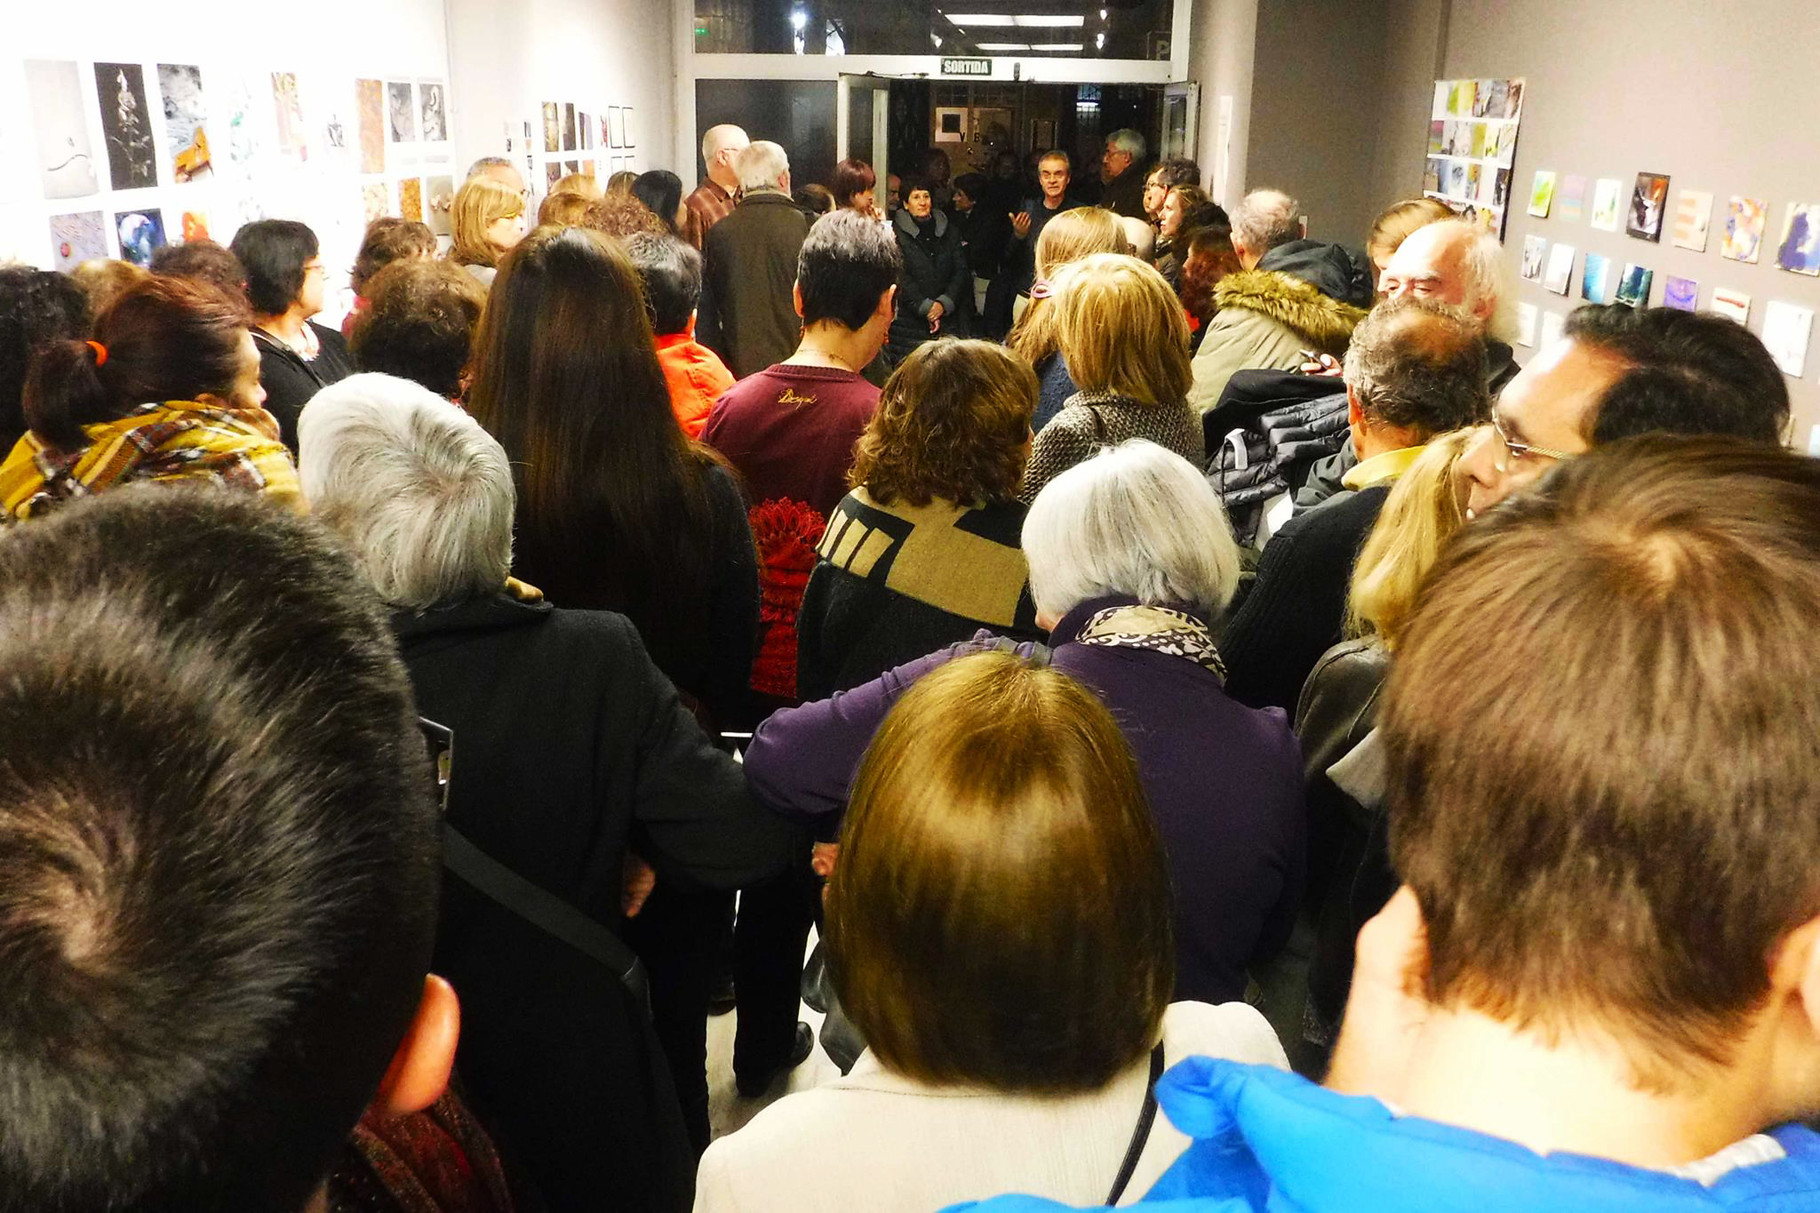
pixel 314 267
pixel 1523 450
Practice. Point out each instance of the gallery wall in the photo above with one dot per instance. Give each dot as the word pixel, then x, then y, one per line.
pixel 608 58
pixel 1714 96
pixel 309 166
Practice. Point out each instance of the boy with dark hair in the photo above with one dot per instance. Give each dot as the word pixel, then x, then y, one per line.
pixel 220 854
pixel 671 271
pixel 1599 988
pixel 790 432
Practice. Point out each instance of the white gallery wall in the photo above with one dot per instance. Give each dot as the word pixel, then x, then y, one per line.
pixel 292 147
pixel 607 58
pixel 266 158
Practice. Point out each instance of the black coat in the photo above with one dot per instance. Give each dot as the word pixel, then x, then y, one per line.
pixel 935 270
pixel 290 382
pixel 569 747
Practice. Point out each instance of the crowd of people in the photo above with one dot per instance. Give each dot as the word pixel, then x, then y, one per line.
pixel 1236 739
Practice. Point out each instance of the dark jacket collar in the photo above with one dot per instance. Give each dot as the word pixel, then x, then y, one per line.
pixel 483 613
pixel 907 224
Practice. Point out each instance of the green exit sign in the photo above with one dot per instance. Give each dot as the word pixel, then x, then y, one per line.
pixel 966 67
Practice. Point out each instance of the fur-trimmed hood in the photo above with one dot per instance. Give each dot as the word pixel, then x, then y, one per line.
pixel 1326 323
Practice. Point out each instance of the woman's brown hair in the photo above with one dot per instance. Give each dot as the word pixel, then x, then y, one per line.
pixel 164 339
pixel 612 506
pixel 388 239
pixel 1000 914
pixel 479 203
pixel 953 422
pixel 1122 330
pixel 564 210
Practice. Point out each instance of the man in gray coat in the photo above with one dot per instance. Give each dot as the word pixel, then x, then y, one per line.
pixel 746 314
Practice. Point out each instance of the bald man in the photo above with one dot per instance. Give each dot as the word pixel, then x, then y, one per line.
pixel 1413 370
pixel 714 198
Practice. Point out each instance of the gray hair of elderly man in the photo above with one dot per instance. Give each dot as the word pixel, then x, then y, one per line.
pixel 761 166
pixel 1264 219
pixel 1128 141
pixel 1137 521
pixel 421 494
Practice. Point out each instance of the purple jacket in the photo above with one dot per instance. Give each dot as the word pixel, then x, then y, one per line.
pixel 1224 781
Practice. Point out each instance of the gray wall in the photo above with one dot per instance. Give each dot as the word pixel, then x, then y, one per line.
pixel 1719 97
pixel 1316 110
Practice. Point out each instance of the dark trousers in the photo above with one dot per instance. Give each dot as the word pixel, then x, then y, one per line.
pixel 769 939
pixel 682 937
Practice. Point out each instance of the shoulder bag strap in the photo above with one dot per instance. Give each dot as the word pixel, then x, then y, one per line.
pixel 1140 1136
pixel 543 909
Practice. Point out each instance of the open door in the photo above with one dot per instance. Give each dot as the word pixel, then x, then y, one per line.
pixel 862 122
pixel 1181 119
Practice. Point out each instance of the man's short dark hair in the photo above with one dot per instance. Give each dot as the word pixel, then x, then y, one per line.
pixel 273 252
pixel 37 307
pixel 1690 373
pixel 847 262
pixel 220 854
pixel 1415 366
pixel 419 323
pixel 672 275
pixel 1603 738
pixel 202 261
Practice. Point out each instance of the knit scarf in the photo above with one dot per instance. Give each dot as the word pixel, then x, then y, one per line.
pixel 160 441
pixel 1157 629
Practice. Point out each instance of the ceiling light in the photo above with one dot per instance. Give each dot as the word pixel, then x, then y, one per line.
pixel 1003 46
pixel 1099 42
pixel 1055 46
pixel 1022 20
pixel 798 19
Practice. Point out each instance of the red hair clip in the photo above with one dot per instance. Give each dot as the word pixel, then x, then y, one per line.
pixel 100 352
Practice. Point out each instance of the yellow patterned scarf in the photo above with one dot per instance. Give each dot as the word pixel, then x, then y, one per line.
pixel 175 440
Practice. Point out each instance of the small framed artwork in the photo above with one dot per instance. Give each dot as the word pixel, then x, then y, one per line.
pixel 950 123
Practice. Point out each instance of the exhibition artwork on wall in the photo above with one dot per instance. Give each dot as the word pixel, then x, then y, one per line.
pixel 66 159
pixel 1633 287
pixel 1648 204
pixel 141 234
pixel 1744 222
pixel 1682 294
pixel 126 125
pixel 369 116
pixel 1693 213
pixel 185 124
pixel 132 156
pixel 1606 194
pixel 77 238
pixel 1799 251
pixel 1472 141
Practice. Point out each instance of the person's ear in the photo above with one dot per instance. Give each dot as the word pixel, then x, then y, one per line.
pixel 796 296
pixel 1355 412
pixel 419 1072
pixel 887 303
pixel 1796 968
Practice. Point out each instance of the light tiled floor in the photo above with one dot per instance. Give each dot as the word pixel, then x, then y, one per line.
pixel 727 1111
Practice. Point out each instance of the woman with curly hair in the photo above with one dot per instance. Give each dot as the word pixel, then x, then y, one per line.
pixel 924 551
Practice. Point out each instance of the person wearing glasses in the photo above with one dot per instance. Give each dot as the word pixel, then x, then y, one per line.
pixel 285 280
pixel 1619 372
pixel 1414 370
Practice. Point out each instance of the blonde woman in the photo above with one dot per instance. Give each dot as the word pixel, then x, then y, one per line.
pixel 1338 711
pixel 1122 334
pixel 1067 238
pixel 489 219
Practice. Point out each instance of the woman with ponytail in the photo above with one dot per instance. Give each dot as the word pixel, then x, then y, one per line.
pixel 167 390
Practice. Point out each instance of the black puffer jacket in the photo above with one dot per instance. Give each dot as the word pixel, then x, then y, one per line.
pixel 1270 453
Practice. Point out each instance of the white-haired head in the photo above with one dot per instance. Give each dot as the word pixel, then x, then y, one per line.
pixel 1137 520
pixel 762 166
pixel 418 490
pixel 725 138
pixel 1461 267
pixel 1262 220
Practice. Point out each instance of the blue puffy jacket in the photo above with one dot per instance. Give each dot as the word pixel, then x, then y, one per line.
pixel 1265 1140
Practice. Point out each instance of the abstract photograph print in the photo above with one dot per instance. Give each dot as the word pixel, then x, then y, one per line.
pixel 126 125
pixel 185 136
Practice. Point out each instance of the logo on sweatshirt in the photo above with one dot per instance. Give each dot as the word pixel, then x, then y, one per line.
pixel 790 397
